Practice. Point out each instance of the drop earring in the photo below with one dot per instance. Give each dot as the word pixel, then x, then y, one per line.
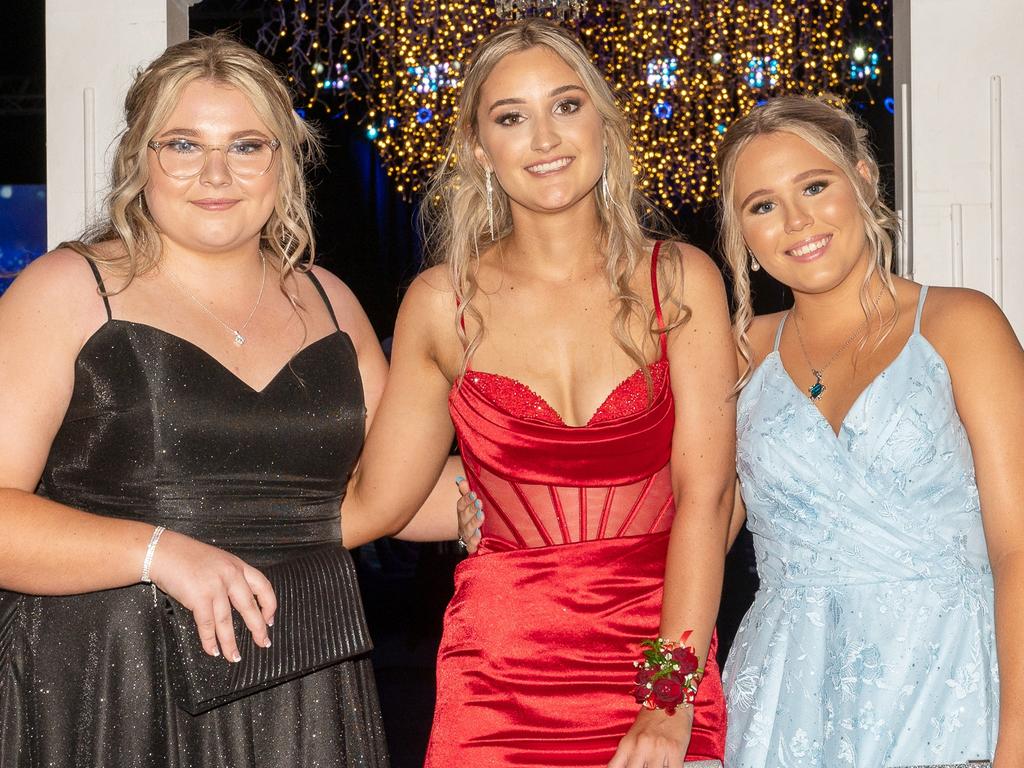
pixel 755 265
pixel 490 201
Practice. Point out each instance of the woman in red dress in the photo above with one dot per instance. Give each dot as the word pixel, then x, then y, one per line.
pixel 588 374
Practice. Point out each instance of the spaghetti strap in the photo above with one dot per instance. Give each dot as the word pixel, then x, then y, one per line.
pixel 99 284
pixel 920 309
pixel 323 295
pixel 778 333
pixel 657 299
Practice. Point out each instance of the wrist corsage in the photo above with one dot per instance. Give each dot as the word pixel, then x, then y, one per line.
pixel 668 675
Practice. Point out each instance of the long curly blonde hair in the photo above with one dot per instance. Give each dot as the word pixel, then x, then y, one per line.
pixel 839 136
pixel 454 217
pixel 287 237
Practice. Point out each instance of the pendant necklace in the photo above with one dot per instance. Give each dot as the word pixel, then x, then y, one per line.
pixel 817 389
pixel 239 337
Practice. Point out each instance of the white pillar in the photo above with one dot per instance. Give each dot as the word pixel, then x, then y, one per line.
pixel 959 88
pixel 93 50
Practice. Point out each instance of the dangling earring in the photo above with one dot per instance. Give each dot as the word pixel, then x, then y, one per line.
pixel 604 181
pixel 490 202
pixel 755 265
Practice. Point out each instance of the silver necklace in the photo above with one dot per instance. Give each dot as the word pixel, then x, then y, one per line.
pixel 239 337
pixel 817 389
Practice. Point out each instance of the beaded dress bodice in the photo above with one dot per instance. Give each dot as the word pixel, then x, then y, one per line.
pixel 543 482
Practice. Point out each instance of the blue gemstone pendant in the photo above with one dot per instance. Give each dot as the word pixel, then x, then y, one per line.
pixel 817 389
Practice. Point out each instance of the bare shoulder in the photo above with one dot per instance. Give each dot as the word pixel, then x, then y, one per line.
pixel 761 335
pixel 343 300
pixel 431 296
pixel 57 293
pixel 688 276
pixel 349 312
pixel 955 318
pixel 56 272
pixel 699 272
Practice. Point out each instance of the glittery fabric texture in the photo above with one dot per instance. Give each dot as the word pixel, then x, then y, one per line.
pixel 159 431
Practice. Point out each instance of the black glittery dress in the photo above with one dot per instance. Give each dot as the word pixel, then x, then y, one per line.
pixel 158 430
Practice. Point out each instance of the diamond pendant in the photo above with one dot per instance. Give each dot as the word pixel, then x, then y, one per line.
pixel 817 389
pixel 239 339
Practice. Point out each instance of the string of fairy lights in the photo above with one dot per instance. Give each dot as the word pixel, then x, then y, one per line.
pixel 682 70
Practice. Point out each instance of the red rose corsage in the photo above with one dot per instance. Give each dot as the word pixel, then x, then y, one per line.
pixel 668 675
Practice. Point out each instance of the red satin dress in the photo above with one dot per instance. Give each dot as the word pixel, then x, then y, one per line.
pixel 536 661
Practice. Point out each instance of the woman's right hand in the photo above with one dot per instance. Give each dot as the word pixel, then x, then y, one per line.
pixel 471 516
pixel 210 582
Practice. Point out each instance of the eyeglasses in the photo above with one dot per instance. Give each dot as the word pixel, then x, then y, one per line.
pixel 184 159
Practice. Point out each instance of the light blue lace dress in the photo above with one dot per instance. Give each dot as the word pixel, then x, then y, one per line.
pixel 871 641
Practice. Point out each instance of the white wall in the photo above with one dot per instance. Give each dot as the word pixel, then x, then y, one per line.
pixel 959 88
pixel 93 50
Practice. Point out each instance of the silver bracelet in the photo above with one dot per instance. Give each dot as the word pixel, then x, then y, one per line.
pixel 150 550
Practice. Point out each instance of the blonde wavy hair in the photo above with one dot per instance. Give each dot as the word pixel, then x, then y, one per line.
pixel 839 136
pixel 453 214
pixel 287 237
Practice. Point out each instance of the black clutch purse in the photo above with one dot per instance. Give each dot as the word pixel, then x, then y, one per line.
pixel 319 622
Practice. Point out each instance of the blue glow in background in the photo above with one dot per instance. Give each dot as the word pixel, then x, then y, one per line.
pixel 22 228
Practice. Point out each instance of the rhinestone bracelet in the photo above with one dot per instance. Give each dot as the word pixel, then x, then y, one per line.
pixel 150 550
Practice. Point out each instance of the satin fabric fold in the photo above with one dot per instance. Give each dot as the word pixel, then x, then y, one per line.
pixel 615 452
pixel 536 662
pixel 535 670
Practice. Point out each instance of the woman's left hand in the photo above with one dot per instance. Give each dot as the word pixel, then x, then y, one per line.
pixel 471 516
pixel 656 740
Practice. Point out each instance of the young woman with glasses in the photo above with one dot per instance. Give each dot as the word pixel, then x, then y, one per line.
pixel 189 398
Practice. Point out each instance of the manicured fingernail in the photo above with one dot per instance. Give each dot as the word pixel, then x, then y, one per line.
pixel 266 643
pixel 216 652
pixel 472 495
pixel 478 504
pixel 459 480
pixel 237 658
pixel 479 515
pixel 270 623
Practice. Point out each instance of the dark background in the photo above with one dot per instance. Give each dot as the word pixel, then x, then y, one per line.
pixel 366 235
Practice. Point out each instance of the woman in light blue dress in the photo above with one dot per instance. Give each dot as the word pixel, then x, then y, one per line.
pixel 880 454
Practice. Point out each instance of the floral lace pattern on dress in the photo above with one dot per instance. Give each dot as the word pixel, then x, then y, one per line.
pixel 870 642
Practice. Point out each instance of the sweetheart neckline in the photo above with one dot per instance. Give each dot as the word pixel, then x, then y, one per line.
pixel 547 405
pixel 204 353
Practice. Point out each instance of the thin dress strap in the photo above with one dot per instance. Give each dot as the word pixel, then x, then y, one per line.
pixel 99 283
pixel 323 295
pixel 657 300
pixel 920 309
pixel 778 333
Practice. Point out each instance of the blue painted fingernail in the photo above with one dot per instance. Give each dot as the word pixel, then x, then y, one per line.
pixel 478 504
pixel 459 480
pixel 479 515
pixel 472 495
